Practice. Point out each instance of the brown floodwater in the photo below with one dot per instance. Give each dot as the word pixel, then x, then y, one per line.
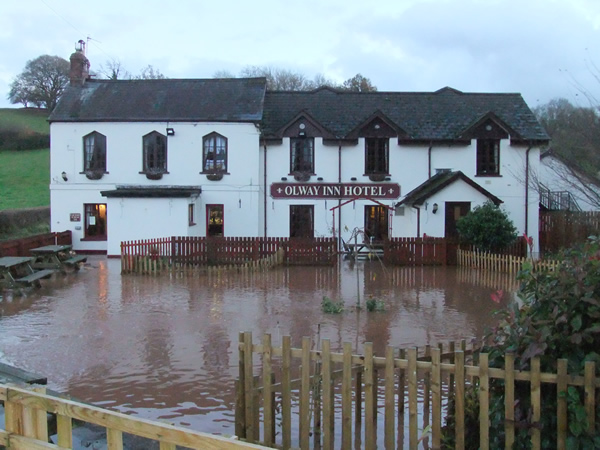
pixel 165 347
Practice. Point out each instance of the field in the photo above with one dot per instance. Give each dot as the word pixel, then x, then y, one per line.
pixel 24 119
pixel 24 178
pixel 24 174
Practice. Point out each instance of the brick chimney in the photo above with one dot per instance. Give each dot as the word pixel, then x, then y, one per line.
pixel 80 65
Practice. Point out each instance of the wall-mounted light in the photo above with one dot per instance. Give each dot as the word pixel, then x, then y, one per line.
pixel 320 179
pixel 353 179
pixel 435 208
pixel 388 179
pixel 64 176
pixel 170 132
pixel 283 178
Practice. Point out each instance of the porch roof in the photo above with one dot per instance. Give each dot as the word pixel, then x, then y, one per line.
pixel 438 182
pixel 153 192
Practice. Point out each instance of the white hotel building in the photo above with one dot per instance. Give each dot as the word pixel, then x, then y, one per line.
pixel 138 159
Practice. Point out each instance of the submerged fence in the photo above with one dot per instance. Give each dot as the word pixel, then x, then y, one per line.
pixel 26 425
pixel 180 253
pixel 395 400
pixel 501 263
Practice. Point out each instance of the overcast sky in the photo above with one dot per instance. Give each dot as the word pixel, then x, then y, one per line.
pixel 543 49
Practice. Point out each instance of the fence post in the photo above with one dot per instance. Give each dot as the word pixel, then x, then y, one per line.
pixel 509 400
pixel 436 390
pixel 248 387
pixel 561 408
pixel 240 407
pixel 347 396
pixel 590 394
pixel 536 395
pixel 370 397
pixel 389 434
pixel 328 407
pixel 286 388
pixel 305 394
pixel 484 400
pixel 412 398
pixel 459 398
pixel 268 412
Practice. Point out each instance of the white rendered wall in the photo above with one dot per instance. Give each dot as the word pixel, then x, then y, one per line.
pixel 238 190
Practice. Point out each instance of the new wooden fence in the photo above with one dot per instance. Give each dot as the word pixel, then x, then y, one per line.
pixel 563 229
pixel 416 251
pixel 21 247
pixel 181 253
pixel 500 263
pixel 314 394
pixel 26 424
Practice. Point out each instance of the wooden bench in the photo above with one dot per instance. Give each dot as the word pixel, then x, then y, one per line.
pixel 35 276
pixel 74 260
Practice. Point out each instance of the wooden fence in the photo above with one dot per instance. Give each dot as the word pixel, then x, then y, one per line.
pixel 26 424
pixel 416 251
pixel 21 247
pixel 182 253
pixel 500 263
pixel 313 394
pixel 563 229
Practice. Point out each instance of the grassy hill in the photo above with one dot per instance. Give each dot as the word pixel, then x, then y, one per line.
pixel 29 119
pixel 24 174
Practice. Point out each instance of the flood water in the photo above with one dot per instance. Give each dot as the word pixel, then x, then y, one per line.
pixel 165 347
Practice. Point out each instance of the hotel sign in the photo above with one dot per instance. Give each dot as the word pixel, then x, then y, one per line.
pixel 335 190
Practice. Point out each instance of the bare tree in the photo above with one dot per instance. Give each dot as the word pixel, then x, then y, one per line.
pixel 41 83
pixel 113 70
pixel 223 74
pixel 149 73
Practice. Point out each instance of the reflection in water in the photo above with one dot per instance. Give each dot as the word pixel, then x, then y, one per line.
pixel 166 347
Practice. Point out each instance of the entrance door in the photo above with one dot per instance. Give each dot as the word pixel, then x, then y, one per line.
pixel 301 221
pixel 454 211
pixel 214 220
pixel 376 223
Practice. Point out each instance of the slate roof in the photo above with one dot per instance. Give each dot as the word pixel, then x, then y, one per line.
pixel 438 182
pixel 423 116
pixel 219 100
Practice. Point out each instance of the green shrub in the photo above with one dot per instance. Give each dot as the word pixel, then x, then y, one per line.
pixel 330 307
pixel 487 227
pixel 375 305
pixel 558 318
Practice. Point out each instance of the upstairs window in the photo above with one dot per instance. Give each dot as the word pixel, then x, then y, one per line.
pixel 155 153
pixel 214 153
pixel 377 156
pixel 302 155
pixel 488 156
pixel 94 152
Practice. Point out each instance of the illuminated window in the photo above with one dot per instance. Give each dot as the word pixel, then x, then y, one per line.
pixel 214 217
pixel 95 221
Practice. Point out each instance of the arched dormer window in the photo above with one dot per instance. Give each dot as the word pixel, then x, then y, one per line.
pixel 155 153
pixel 214 153
pixel 94 155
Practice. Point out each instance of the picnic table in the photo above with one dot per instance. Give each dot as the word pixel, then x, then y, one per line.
pixel 17 271
pixel 56 257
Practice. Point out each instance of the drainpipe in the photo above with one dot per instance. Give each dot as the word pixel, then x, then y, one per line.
pixel 265 189
pixel 339 199
pixel 527 190
pixel 429 159
pixel 418 220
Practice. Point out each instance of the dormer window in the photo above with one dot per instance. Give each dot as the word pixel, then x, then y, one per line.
pixel 155 154
pixel 488 157
pixel 214 153
pixel 377 156
pixel 94 155
pixel 302 155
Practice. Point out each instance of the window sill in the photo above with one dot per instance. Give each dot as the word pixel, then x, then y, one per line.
pixel 143 172
pixel 208 172
pixel 488 175
pixel 94 238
